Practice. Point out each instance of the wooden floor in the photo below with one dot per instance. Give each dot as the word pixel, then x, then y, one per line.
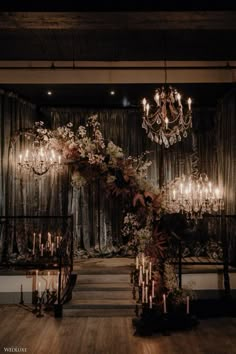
pixel 20 328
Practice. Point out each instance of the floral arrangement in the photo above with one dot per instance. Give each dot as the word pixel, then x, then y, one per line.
pixel 91 158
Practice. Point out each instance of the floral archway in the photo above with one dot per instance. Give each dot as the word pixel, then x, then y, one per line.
pixel 91 158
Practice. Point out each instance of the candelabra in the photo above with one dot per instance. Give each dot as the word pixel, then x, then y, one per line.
pixel 192 196
pixel 165 122
pixel 39 159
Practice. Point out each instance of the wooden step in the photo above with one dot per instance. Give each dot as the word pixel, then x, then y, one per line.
pixel 99 312
pixel 103 287
pixel 102 294
pixel 101 303
pixel 102 278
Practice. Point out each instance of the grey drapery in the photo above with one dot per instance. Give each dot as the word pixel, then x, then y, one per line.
pixel 97 220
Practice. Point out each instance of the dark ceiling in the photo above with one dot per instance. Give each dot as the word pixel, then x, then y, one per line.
pixel 112 36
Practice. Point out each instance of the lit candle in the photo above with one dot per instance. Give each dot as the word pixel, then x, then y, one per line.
pixel 39 289
pixel 48 281
pixel 217 193
pixel 210 187
pixel 57 241
pixel 179 99
pixel 49 238
pixel 150 302
pixel 20 156
pixel 36 279
pixel 41 250
pixel 33 251
pixel 181 188
pixel 150 270
pixel 146 276
pixel 143 261
pixel 146 294
pixel 189 103
pixel 40 238
pixel 143 292
pixel 140 275
pixel 147 108
pixel 137 262
pixel 153 284
pixel 164 303
pixel 59 159
pixel 26 155
pixel 52 248
pixel 187 305
pixel 144 102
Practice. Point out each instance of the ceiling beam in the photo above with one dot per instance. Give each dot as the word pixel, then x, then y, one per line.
pixel 161 20
pixel 21 72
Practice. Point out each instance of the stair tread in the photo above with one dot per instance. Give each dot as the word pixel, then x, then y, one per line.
pixel 102 301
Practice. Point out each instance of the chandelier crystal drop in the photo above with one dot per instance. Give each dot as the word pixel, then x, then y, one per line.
pixel 193 197
pixel 39 160
pixel 164 121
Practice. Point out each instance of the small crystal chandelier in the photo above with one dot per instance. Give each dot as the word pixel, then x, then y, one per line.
pixel 193 197
pixel 165 122
pixel 39 160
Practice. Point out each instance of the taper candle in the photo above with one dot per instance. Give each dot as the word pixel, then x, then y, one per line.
pixel 164 303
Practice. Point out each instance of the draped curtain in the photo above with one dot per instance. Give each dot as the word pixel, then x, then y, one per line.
pixel 211 148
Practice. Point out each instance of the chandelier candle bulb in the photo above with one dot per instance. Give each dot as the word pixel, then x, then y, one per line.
pixel 41 250
pixel 59 159
pixel 144 102
pixel 20 157
pixel 157 99
pixel 166 122
pixel 164 303
pixel 189 103
pixel 187 305
pixel 147 108
pixel 174 194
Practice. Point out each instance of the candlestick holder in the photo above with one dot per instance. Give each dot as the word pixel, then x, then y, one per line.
pixel 40 301
pixel 21 296
pixel 35 301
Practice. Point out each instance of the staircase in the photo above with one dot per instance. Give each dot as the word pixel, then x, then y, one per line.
pixel 103 289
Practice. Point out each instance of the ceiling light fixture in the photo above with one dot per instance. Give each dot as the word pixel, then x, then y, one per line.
pixel 164 120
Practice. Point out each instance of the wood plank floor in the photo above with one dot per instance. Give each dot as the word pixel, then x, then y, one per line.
pixel 20 328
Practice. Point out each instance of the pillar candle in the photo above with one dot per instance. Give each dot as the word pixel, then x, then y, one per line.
pixel 41 250
pixel 137 262
pixel 187 305
pixel 36 279
pixel 49 238
pixel 140 276
pixel 39 289
pixel 143 292
pixel 146 294
pixel 164 303
pixel 52 248
pixel 40 240
pixel 48 281
pixel 33 250
pixel 146 276
pixel 150 270
pixel 153 289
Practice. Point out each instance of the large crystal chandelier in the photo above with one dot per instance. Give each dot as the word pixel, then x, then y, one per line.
pixel 193 197
pixel 39 160
pixel 164 120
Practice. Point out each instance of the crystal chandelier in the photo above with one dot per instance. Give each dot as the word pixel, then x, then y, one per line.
pixel 164 121
pixel 193 197
pixel 39 160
